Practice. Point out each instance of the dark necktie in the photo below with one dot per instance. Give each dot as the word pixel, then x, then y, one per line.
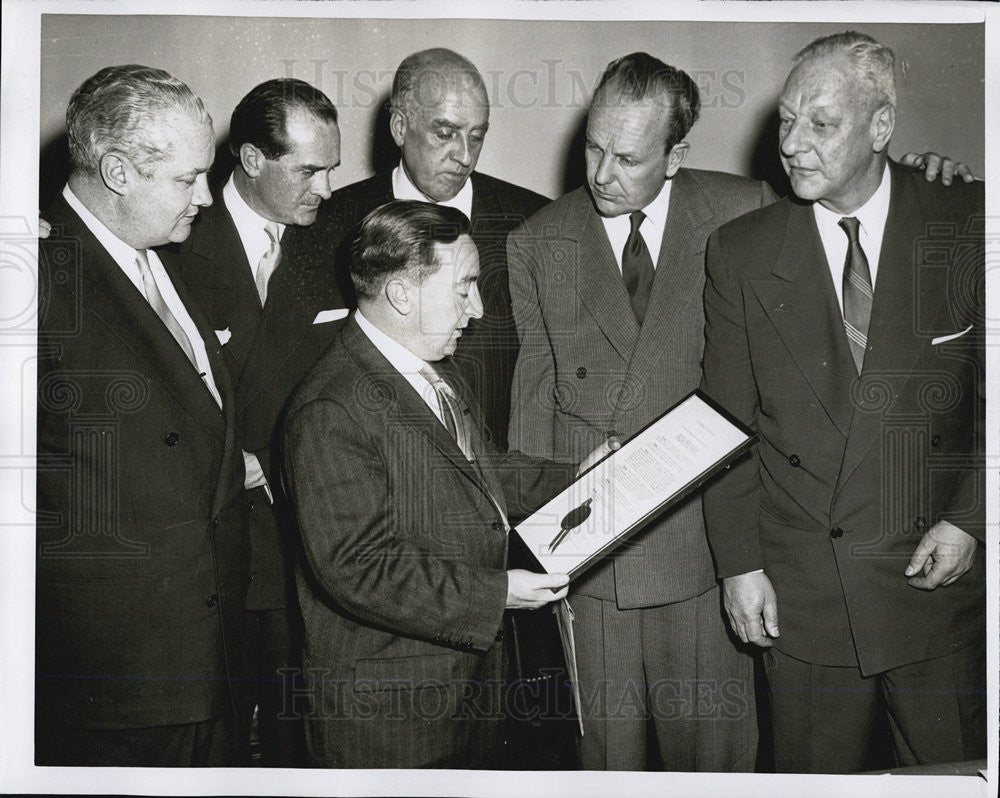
pixel 159 306
pixel 858 293
pixel 637 267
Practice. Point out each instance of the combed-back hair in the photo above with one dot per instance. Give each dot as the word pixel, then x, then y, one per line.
pixel 122 109
pixel 261 117
pixel 640 76
pixel 874 63
pixel 422 78
pixel 399 238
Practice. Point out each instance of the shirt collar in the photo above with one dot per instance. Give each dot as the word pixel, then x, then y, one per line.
pixel 244 217
pixel 871 216
pixel 401 358
pixel 403 189
pixel 123 254
pixel 657 210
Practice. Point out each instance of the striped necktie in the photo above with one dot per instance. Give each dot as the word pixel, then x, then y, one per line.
pixel 858 293
pixel 159 306
pixel 454 413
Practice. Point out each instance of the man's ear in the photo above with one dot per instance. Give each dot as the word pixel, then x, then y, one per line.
pixel 251 159
pixel 883 122
pixel 399 294
pixel 397 125
pixel 676 157
pixel 115 172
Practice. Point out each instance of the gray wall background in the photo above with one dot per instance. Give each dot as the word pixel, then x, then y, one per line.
pixel 539 75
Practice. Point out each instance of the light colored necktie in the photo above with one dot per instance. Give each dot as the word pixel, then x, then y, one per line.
pixel 268 261
pixel 159 306
pixel 858 293
pixel 453 412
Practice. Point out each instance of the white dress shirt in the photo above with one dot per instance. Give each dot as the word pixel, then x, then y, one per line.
pixel 404 361
pixel 249 225
pixel 651 230
pixel 871 216
pixel 403 189
pixel 125 256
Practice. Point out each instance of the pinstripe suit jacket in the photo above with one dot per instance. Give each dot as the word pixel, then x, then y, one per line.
pixel 586 369
pixel 402 583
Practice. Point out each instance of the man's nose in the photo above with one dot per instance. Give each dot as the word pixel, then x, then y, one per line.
pixel 462 152
pixel 605 171
pixel 474 304
pixel 322 185
pixel 202 196
pixel 793 139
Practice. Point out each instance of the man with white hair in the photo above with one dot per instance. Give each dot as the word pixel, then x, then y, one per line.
pixel 142 530
pixel 845 325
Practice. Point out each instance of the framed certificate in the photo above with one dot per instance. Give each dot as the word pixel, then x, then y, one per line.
pixel 654 469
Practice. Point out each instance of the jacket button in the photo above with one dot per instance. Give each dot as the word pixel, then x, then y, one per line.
pixel 794 460
pixel 499 636
pixel 920 523
pixel 497 525
pixel 581 372
pixel 250 505
pixel 212 600
pixel 215 523
pixel 836 532
pixel 936 441
pixel 171 438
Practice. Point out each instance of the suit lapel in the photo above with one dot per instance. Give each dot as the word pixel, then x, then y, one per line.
pixel 680 274
pixel 111 297
pixel 599 281
pixel 222 275
pixel 893 345
pixel 403 403
pixel 800 301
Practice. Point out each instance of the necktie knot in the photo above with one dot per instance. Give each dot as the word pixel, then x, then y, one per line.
pixel 850 225
pixel 636 218
pixel 271 228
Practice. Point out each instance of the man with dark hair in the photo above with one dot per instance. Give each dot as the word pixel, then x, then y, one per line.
pixel 403 507
pixel 608 343
pixel 846 327
pixel 276 309
pixel 142 530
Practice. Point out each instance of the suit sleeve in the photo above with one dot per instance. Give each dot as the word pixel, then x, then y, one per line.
pixel 356 550
pixel 528 482
pixel 731 501
pixel 532 411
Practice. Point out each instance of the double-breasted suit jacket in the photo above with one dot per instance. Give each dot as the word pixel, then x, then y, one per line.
pixel 269 350
pixel 586 369
pixel 403 582
pixel 142 540
pixel 487 349
pixel 850 471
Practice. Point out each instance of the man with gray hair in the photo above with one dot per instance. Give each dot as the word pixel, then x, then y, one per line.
pixel 142 538
pixel 847 327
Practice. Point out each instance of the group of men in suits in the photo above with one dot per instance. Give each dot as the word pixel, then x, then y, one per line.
pixel 404 586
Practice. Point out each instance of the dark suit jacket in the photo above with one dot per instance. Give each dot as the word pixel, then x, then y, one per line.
pixel 487 349
pixel 142 542
pixel 849 472
pixel 585 369
pixel 270 350
pixel 403 585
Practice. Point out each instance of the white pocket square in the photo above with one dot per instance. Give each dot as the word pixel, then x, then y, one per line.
pixel 951 337
pixel 224 336
pixel 330 315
